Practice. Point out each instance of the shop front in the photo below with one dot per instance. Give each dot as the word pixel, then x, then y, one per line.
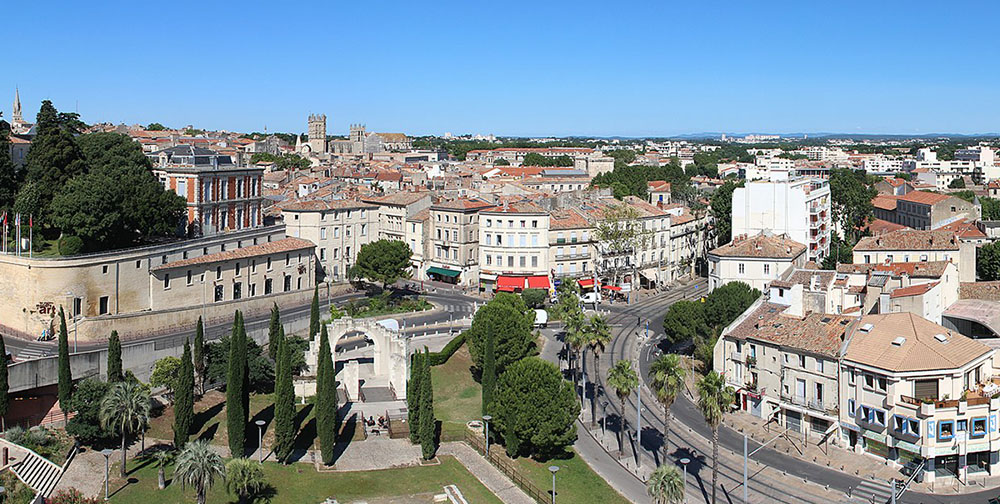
pixel 446 275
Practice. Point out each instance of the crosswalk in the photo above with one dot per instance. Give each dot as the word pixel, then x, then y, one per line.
pixel 870 491
pixel 462 308
pixel 35 350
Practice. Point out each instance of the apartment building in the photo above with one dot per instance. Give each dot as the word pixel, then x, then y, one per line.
pixel 756 260
pixel 925 289
pixel 455 241
pixel 797 207
pixel 571 244
pixel 914 392
pixel 514 247
pixel 418 237
pixel 394 209
pixel 338 228
pixel 924 210
pixel 911 245
pixel 659 192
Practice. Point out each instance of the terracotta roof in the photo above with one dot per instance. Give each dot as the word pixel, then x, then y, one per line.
pixel 658 186
pixel 421 216
pixel 402 198
pixel 933 269
pixel 464 204
pixel 514 207
pixel 644 208
pixel 920 351
pixel 389 176
pixel 780 247
pixel 964 229
pixel 816 333
pixel 924 197
pixel 879 226
pixel 569 218
pixel 805 277
pixel 986 291
pixel 913 290
pixel 885 201
pixel 909 239
pixel 275 247
pixel 314 205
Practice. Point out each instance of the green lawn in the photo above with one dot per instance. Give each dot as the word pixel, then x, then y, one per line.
pixel 301 484
pixel 575 480
pixel 457 397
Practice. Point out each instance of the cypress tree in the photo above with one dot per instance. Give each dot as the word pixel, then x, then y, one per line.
pixel 235 414
pixel 413 389
pixel 314 315
pixel 245 371
pixel 428 424
pixel 65 374
pixel 4 385
pixel 489 372
pixel 114 358
pixel 272 333
pixel 510 440
pixel 326 400
pixel 284 402
pixel 199 354
pixel 184 400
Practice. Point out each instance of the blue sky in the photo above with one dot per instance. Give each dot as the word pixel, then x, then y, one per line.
pixel 513 68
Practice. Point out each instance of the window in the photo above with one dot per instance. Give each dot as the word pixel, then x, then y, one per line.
pixel 268 264
pixel 237 290
pixel 237 269
pixel 913 426
pixel 534 240
pixel 268 286
pixel 104 269
pixel 534 223
pixel 879 417
pixel 220 291
pixel 489 260
pixel 298 283
pixel 899 424
pixel 866 413
pixel 881 382
pixel 322 254
pixel 869 381
pixel 489 239
pixel 534 262
pixel 218 272
pixel 522 260
pixel 802 361
pixel 510 261
pixel 288 259
pixel 868 259
pixel 288 283
pixel 138 264
pixel 102 305
pixel 489 223
pixel 189 277
pixel 819 365
pixel 962 425
pixel 742 268
pixel 253 290
pixel 166 281
pixel 978 427
pixel 946 430
pixel 322 233
pixel 253 266
pixel 851 407
pixel 851 376
pixel 767 269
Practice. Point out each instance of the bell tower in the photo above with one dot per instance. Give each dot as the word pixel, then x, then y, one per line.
pixel 317 133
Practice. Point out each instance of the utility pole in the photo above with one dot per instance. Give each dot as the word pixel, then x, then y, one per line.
pixel 638 424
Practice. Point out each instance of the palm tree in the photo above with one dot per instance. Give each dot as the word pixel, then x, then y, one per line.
pixel 576 337
pixel 623 379
pixel 198 465
pixel 667 379
pixel 244 478
pixel 162 458
pixel 125 409
pixel 714 400
pixel 666 485
pixel 598 337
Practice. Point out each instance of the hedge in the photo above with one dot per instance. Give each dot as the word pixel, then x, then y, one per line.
pixel 438 358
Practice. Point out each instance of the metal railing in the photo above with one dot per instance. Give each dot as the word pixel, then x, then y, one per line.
pixel 508 468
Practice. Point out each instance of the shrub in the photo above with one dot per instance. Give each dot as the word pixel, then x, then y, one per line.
pixel 70 245
pixel 71 496
pixel 438 358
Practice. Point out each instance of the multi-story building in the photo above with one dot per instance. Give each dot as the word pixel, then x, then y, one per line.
pixel 394 209
pixel 418 237
pixel 455 241
pixel 514 247
pixel 911 245
pixel 755 260
pixel 925 289
pixel 571 244
pixel 914 392
pixel 220 195
pixel 338 228
pixel 798 207
pixel 924 210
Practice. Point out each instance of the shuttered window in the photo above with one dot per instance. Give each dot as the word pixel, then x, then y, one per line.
pixel 925 388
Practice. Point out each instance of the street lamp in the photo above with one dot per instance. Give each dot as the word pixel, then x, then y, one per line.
pixel 684 463
pixel 260 441
pixel 553 470
pixel 107 466
pixel 486 422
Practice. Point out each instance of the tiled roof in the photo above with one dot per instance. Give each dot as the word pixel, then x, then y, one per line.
pixel 275 247
pixel 644 208
pixel 313 205
pixel 909 239
pixel 421 216
pixel 933 269
pixel 658 186
pixel 879 226
pixel 924 197
pixel 515 207
pixel 913 290
pixel 569 218
pixel 780 247
pixel 402 198
pixel 885 201
pixel 816 333
pixel 464 204
pixel 964 229
pixel 920 351
pixel 805 277
pixel 986 291
pixel 389 176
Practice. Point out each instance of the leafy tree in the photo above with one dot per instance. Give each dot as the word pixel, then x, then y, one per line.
pixel 326 400
pixel 623 380
pixel 428 424
pixel 199 354
pixel 54 158
pixel 155 127
pixel 384 261
pixel 501 162
pixel 282 162
pixel 510 323
pixel 722 211
pixel 840 253
pixel 125 410
pixel 65 374
pixel 489 376
pixel 30 199
pixel 4 384
pixel 184 399
pixel 958 183
pixel 9 179
pixel 666 485
pixel 727 302
pixel 198 466
pixel 991 208
pixel 245 478
pixel 534 298
pixel 535 407
pixel 904 176
pixel 535 159
pixel 414 387
pixel 714 400
pixel 621 233
pixel 284 401
pixel 988 262
pixel 166 373
pixel 851 200
pixel 274 329
pixel 115 358
pixel 236 411
pixel 85 425
pixel 314 314
pixel 684 320
pixel 577 339
pixel 667 381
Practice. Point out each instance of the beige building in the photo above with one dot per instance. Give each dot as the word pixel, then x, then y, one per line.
pixel 394 209
pixel 756 261
pixel 911 245
pixel 924 210
pixel 514 247
pixel 338 228
pixel 571 244
pixel 455 241
pixel 418 237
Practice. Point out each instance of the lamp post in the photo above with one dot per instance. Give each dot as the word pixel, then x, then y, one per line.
pixel 553 470
pixel 107 466
pixel 486 423
pixel 684 463
pixel 260 441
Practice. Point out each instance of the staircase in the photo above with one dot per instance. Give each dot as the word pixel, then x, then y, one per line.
pixel 37 472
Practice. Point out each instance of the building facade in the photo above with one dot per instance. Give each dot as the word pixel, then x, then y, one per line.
pixel 798 207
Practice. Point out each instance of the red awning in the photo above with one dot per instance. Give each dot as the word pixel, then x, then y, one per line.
pixel 611 287
pixel 538 282
pixel 509 283
pixel 586 282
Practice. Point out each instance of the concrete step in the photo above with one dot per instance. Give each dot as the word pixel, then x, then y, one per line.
pixel 38 473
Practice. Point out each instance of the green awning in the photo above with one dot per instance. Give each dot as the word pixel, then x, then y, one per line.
pixel 434 270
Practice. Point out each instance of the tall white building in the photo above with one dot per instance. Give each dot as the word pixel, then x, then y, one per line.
pixel 797 207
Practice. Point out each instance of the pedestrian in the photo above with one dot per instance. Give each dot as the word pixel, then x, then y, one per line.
pixel 638 320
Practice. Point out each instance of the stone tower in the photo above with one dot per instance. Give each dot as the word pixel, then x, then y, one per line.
pixel 16 111
pixel 317 133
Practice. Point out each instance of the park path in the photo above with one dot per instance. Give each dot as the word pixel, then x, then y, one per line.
pixel 487 473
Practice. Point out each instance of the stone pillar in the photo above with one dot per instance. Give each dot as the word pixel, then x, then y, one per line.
pixel 352 380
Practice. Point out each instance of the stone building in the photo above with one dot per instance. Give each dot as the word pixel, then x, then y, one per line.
pixel 455 241
pixel 338 228
pixel 514 247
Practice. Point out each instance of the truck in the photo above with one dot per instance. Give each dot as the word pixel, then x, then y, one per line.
pixel 541 318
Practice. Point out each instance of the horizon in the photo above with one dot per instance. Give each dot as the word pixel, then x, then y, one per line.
pixel 535 70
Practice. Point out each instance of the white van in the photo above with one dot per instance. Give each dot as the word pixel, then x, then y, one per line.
pixel 591 298
pixel 541 318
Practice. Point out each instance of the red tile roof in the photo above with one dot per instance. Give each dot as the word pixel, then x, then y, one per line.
pixel 275 247
pixel 909 239
pixel 913 290
pixel 885 201
pixel 780 247
pixel 924 197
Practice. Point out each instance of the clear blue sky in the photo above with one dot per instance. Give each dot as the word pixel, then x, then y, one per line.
pixel 513 68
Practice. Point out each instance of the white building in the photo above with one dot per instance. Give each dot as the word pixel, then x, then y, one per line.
pixel 756 261
pixel 798 207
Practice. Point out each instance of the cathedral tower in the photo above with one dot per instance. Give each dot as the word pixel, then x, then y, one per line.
pixel 317 133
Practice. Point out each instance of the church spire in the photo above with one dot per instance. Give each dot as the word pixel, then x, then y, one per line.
pixel 16 112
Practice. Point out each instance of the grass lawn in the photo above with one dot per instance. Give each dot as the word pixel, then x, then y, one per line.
pixel 301 484
pixel 457 397
pixel 575 481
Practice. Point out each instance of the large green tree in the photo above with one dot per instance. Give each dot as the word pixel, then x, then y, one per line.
pixel 236 413
pixel 722 211
pixel 510 322
pixel 621 233
pixel 535 405
pixel 85 425
pixel 284 401
pixel 125 410
pixel 414 387
pixel 326 400
pixel 685 320
pixel 115 358
pixel 198 352
pixel 184 399
pixel 727 302
pixel 384 261
pixel 54 158
pixel 988 262
pixel 9 179
pixel 667 380
pixel 623 379
pixel 65 373
pixel 489 375
pixel 851 198
pixel 428 423
pixel 314 314
pixel 274 328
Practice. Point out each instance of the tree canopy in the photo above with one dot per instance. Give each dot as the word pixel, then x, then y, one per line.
pixel 281 162
pixel 509 321
pixel 383 261
pixel 535 159
pixel 538 406
pixel 852 200
pixel 988 262
pixel 722 210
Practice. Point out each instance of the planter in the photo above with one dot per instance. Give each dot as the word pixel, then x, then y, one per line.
pixel 927 409
pixel 962 406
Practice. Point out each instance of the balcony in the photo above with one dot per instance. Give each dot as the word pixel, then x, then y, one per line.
pixel 814 404
pixel 737 356
pixel 751 361
pixel 561 257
